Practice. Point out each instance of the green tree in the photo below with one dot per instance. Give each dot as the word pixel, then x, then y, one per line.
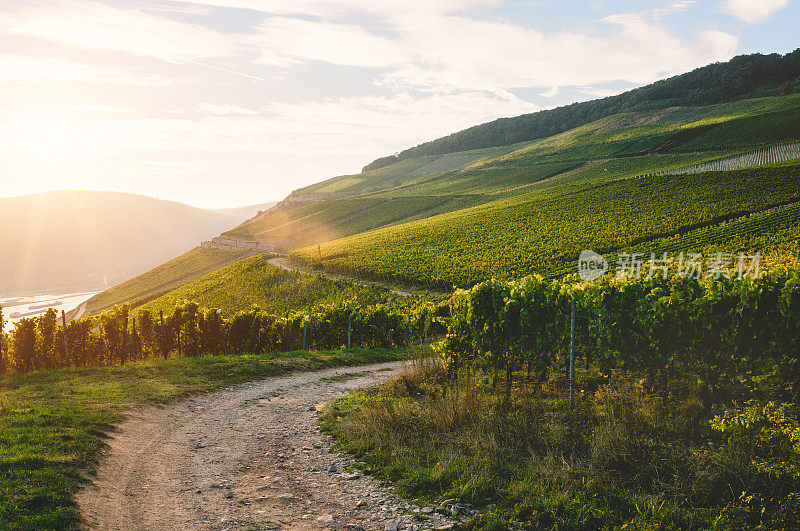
pixel 23 344
pixel 113 328
pixel 4 362
pixel 46 356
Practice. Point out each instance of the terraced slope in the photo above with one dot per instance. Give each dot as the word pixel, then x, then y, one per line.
pixel 518 236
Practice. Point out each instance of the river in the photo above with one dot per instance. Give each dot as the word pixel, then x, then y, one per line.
pixel 17 307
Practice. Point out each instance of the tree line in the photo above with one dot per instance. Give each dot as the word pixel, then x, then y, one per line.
pixel 119 336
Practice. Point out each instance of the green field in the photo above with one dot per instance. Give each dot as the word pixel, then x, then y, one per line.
pixel 163 278
pixel 52 423
pixel 512 238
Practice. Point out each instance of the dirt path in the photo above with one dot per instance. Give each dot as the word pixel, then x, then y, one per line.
pixel 284 263
pixel 248 457
pixel 79 311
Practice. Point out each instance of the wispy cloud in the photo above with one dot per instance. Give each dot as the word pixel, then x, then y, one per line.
pixel 184 9
pixel 15 68
pixel 284 41
pixel 448 52
pixel 339 8
pixel 100 27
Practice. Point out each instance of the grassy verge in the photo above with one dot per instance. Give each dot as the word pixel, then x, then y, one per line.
pixel 623 457
pixel 52 423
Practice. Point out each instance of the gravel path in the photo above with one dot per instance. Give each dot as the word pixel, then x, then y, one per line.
pixel 247 457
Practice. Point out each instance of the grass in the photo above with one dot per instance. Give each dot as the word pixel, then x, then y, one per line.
pixel 153 283
pixel 624 458
pixel 52 423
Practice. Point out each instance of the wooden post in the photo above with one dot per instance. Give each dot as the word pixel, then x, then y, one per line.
pixel 124 355
pixel 363 341
pixel 425 337
pixel 571 350
pixel 305 331
pixel 222 332
pixel 66 348
pixel 349 327
pixel 161 344
pixel 134 334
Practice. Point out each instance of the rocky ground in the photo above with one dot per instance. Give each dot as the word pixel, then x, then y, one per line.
pixel 248 457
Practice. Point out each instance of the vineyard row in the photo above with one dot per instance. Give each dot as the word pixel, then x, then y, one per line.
pixel 771 155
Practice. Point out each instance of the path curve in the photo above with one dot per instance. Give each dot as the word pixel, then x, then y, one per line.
pixel 246 457
pixel 284 263
pixel 79 311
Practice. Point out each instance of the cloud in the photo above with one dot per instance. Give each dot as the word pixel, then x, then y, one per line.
pixel 340 8
pixel 225 109
pixel 95 26
pixel 16 68
pixel 189 9
pixel 284 41
pixel 753 11
pixel 675 7
pixel 453 53
pixel 445 52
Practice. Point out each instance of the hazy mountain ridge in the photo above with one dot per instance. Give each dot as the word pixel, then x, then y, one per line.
pixel 71 240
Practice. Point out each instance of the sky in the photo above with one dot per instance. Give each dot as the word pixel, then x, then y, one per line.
pixel 221 103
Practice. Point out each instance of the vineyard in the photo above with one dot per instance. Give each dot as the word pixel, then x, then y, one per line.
pixel 513 238
pixel 322 221
pixel 775 233
pixel 771 155
pixel 673 405
pixel 393 200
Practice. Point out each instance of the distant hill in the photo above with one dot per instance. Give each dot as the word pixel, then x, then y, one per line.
pixel 744 76
pixel 71 240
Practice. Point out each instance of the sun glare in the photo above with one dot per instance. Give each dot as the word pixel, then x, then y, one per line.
pixel 49 138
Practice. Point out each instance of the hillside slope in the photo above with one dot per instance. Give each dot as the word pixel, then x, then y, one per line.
pixel 618 146
pixel 168 276
pixel 71 240
pixel 456 218
pixel 520 236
